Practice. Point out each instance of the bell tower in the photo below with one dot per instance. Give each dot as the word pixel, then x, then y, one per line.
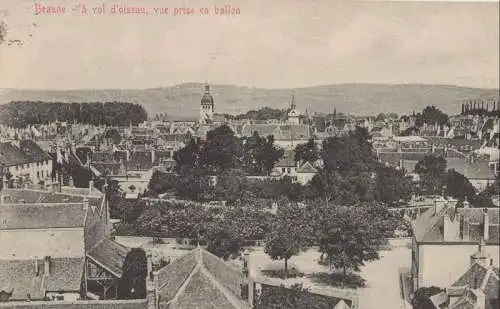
pixel 207 106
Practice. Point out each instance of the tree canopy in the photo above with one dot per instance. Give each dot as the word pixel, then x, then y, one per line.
pixel 132 284
pixel 23 113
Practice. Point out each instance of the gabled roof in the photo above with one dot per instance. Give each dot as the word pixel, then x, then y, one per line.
pixel 10 155
pixel 307 168
pixel 33 151
pixel 428 227
pixel 42 215
pixel 200 280
pixel 109 255
pixel 480 276
pixel 19 277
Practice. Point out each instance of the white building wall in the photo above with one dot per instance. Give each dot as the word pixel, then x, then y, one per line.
pixel 442 264
pixel 23 244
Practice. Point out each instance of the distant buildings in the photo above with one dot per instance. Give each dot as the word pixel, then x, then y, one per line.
pixel 24 161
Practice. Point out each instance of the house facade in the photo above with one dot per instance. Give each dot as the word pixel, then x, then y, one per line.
pixel 25 160
pixel 56 246
pixel 445 236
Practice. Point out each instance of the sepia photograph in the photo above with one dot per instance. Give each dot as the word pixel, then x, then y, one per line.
pixel 249 154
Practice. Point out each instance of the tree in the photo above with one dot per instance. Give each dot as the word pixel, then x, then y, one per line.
pixel 232 186
pixel 161 182
pixel 260 154
pixel 307 152
pixel 286 237
pixel 221 151
pixel 458 186
pixel 432 115
pixel 295 297
pixel 132 284
pixel 392 185
pixel 432 173
pixel 222 240
pixel 421 297
pixel 345 238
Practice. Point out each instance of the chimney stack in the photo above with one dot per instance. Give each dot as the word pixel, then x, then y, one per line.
pixel 36 267
pixel 71 183
pixel 85 204
pixel 486 224
pixel 46 268
pixel 91 185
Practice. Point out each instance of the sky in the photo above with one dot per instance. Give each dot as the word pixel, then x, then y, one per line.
pixel 270 44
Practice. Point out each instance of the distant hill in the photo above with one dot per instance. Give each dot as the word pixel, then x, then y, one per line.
pixel 183 100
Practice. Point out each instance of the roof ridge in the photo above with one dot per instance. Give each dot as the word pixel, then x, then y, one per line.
pixel 228 295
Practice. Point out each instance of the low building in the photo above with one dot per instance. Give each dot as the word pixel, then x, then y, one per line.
pixel 55 245
pixel 444 238
pixel 24 160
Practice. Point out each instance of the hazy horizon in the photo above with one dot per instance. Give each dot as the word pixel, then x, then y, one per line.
pixel 281 44
pixel 249 87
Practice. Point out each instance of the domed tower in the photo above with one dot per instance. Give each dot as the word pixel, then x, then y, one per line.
pixel 293 114
pixel 207 106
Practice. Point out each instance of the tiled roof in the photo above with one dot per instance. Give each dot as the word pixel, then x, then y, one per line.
pixel 67 195
pixel 393 158
pixel 172 276
pixel 475 170
pixel 293 132
pixel 80 304
pixel 19 276
pixel 33 151
pixel 110 255
pixel 200 280
pixel 36 216
pixel 10 155
pixel 428 227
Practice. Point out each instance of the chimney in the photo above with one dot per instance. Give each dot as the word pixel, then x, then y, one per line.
pixel 46 268
pixel 149 258
pixel 480 257
pixel 465 230
pixel 91 185
pixel 71 182
pixel 439 204
pixel 486 224
pixel 153 156
pixel 250 282
pixel 451 226
pixel 36 267
pixel 85 204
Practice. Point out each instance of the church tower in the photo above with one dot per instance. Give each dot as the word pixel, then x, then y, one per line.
pixel 207 106
pixel 293 114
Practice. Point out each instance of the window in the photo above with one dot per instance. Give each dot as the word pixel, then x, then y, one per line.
pixel 37 174
pixel 283 170
pixel 288 170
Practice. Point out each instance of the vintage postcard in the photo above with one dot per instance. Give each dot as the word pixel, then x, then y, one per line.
pixel 250 154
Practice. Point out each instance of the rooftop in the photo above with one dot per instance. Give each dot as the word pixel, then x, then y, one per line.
pixel 200 280
pixel 20 277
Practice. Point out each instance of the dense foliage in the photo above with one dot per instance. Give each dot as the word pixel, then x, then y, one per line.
pixel 432 172
pixel 24 113
pixel 287 234
pixel 431 115
pixel 307 152
pixel 295 297
pixel 132 284
pixel 265 113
